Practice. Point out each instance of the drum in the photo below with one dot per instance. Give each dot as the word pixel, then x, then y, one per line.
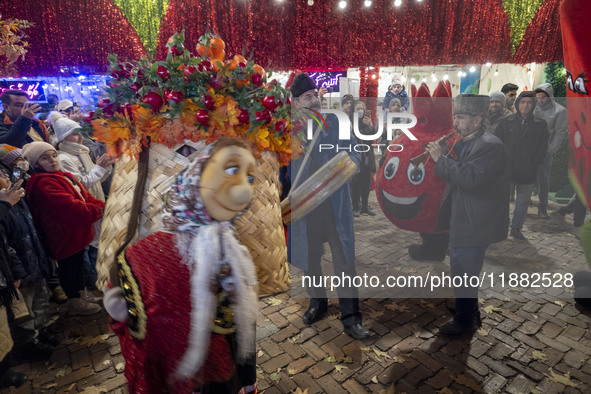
pixel 317 188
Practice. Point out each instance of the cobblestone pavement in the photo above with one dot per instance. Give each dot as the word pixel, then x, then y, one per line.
pixel 531 340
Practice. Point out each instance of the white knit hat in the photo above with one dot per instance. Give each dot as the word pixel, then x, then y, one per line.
pixel 62 126
pixel 397 80
pixel 64 105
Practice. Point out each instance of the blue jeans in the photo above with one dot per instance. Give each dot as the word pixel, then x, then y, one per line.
pixel 521 204
pixel 90 274
pixel 466 261
pixel 543 179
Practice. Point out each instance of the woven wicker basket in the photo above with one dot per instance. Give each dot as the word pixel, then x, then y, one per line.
pixel 260 228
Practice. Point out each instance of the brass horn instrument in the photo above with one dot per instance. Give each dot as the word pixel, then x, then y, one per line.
pixel 415 161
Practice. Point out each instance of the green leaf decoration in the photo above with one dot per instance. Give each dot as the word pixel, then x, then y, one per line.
pixel 145 16
pixel 520 13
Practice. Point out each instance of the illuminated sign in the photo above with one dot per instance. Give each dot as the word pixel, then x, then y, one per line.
pixel 329 80
pixel 33 89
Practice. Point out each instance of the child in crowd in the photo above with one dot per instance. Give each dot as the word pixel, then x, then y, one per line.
pixel 30 265
pixel 396 91
pixel 75 159
pixel 64 212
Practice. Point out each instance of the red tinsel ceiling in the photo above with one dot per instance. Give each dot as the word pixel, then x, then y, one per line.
pixel 291 34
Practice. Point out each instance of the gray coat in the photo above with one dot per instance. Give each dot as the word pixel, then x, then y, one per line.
pixel 340 200
pixel 555 116
pixel 475 204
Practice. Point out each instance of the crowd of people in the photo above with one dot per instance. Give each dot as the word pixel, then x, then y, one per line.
pixel 54 182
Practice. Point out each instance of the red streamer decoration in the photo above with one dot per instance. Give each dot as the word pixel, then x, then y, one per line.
pixel 541 44
pixel 73 33
pixel 291 34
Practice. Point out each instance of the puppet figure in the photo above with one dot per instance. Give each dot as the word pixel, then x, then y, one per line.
pixel 185 311
pixel 410 195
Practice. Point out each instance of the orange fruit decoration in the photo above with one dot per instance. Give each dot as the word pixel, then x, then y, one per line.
pixel 201 50
pixel 259 70
pixel 240 59
pixel 217 47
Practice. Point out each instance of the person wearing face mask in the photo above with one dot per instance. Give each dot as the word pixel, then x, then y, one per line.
pixel 64 212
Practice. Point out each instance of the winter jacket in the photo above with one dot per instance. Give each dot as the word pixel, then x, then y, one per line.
pixel 75 159
pixel 527 142
pixel 97 149
pixel 31 262
pixel 555 116
pixel 340 200
pixel 368 159
pixel 402 96
pixel 492 122
pixel 475 205
pixel 7 289
pixel 63 213
pixel 17 133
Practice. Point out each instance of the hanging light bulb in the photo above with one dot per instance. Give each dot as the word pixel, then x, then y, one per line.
pixel 342 4
pixel 373 76
pixel 310 3
pixel 412 80
pixel 424 80
pixel 397 3
pixel 445 77
pixel 433 77
pixel 472 69
pixel 460 73
pixel 403 78
pixel 367 3
pixel 488 64
pixel 497 72
pixel 464 73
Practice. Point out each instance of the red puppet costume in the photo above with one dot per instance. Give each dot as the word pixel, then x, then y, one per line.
pixel 185 312
pixel 576 30
pixel 410 196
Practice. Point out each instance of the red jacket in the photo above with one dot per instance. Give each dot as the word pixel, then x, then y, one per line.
pixel 64 216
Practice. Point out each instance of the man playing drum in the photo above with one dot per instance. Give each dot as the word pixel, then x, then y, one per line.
pixel 331 221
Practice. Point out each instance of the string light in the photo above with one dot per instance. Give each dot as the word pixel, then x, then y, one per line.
pixel 397 3
pixel 488 64
pixel 472 69
pixel 310 3
pixel 403 78
pixel 424 80
pixel 445 77
pixel 367 3
pixel 497 72
pixel 412 80
pixel 342 4
pixel 460 73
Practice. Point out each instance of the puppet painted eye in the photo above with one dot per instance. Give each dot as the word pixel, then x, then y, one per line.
pixel 391 167
pixel 569 81
pixel 416 175
pixel 580 85
pixel 250 178
pixel 232 170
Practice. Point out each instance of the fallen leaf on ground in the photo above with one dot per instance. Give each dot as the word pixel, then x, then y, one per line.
pixel 71 387
pixel 445 390
pixel 120 367
pixel 365 349
pixel 537 355
pixel 339 368
pixel 296 337
pixel 375 379
pixel 61 373
pixel 426 305
pixel 491 308
pixel 559 303
pixel 332 317
pixel 94 390
pixel 274 301
pixel 401 358
pixel 300 391
pixel 416 330
pixel 348 360
pixel 106 362
pixel 91 341
pixel 562 379
pixel 330 359
pixel 275 377
pixel 397 308
pixel 260 353
pixel 291 371
pixel 469 382
pixel 483 331
pixel 535 390
pixel 379 354
pixel 50 386
pixel 375 314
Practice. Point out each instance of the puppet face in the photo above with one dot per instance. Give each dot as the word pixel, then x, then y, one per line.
pixel 226 182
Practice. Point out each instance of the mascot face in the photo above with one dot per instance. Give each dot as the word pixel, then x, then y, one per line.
pixel 410 196
pixel 577 60
pixel 226 182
